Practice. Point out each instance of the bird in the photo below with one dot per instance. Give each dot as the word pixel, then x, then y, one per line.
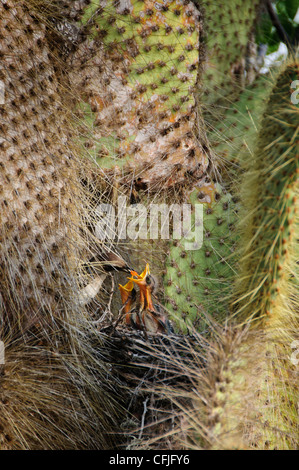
pixel 140 311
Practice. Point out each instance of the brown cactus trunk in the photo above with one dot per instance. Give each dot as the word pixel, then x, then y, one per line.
pixel 39 217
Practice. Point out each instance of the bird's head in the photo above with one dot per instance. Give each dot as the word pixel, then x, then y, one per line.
pixel 146 284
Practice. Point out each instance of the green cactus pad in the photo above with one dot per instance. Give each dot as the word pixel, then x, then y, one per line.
pixel 232 139
pixel 228 28
pixel 195 280
pixel 138 69
pixel 229 94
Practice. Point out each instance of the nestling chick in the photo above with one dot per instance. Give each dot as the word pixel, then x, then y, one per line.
pixel 140 312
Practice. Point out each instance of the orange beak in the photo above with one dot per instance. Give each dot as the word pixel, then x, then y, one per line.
pixel 142 275
pixel 145 289
pixel 127 295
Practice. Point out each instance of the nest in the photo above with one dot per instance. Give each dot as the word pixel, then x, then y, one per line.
pixel 154 379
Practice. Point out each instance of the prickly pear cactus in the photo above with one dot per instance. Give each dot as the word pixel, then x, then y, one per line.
pixel 253 393
pixel 232 139
pixel 231 103
pixel 38 217
pixel 266 283
pixel 42 403
pixel 138 70
pixel 197 282
pixel 269 193
pixel 134 67
pixel 228 29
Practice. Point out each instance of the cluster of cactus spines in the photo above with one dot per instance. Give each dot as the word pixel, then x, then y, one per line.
pixel 139 88
pixel 195 280
pixel 49 401
pixel 267 283
pixel 41 209
pixel 226 109
pixel 253 393
pixel 265 286
pixel 232 138
pixel 68 10
pixel 225 382
pixel 276 400
pixel 269 194
pixel 38 217
pixel 228 28
pixel 252 397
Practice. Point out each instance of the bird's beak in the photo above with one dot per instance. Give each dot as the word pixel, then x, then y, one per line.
pixel 145 290
pixel 142 275
pixel 126 293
